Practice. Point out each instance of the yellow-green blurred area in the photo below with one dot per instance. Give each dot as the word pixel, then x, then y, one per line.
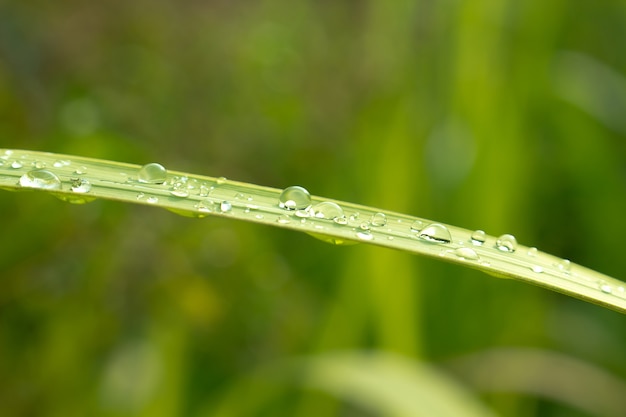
pixel 507 116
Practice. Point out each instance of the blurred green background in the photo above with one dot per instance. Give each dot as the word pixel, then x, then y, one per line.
pixel 501 115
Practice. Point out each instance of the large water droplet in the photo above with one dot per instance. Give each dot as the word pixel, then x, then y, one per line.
pixel 378 220
pixel 226 206
pixel 478 237
pixel 435 233
pixel 80 185
pixel 466 253
pixel 327 210
pixel 40 178
pixel 152 173
pixel 294 198
pixel 506 243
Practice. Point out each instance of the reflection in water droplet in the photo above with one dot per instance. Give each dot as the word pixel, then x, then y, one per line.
pixel 467 253
pixel 152 173
pixel 327 210
pixel 606 288
pixel 294 198
pixel 365 235
pixel 225 206
pixel 80 185
pixel 478 237
pixel 417 225
pixel 378 220
pixel 537 269
pixel 435 233
pixel 153 200
pixel 40 178
pixel 532 252
pixel 283 219
pixel 506 243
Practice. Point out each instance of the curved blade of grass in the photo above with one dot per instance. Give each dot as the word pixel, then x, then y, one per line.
pixel 83 179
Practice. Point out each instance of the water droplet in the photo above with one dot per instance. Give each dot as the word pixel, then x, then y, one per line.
pixel 303 214
pixel 152 200
pixel 341 220
pixel 364 226
pixel 606 288
pixel 435 233
pixel 478 237
pixel 532 252
pixel 506 243
pixel 537 269
pixel 283 219
pixel 152 173
pixel 61 163
pixel 365 235
pixel 204 190
pixel 378 220
pixel 225 206
pixel 40 178
pixel 294 198
pixel 81 170
pixel 620 289
pixel 80 185
pixel 16 165
pixel 354 217
pixel 202 207
pixel 39 164
pixel 259 216
pixel 327 210
pixel 181 193
pixel 565 265
pixel 417 225
pixel 466 253
pixel 221 180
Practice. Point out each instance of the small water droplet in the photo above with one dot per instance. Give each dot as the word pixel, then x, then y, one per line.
pixel 364 226
pixel 506 243
pixel 140 196
pixel 390 238
pixel 283 219
pixel 435 233
pixel 378 220
pixel 565 265
pixel 537 269
pixel 39 164
pixel 259 216
pixel 294 198
pixel 620 289
pixel 152 173
pixel 80 185
pixel 466 253
pixel 327 210
pixel 532 252
pixel 221 180
pixel 81 170
pixel 152 200
pixel 354 217
pixel 61 163
pixel 204 190
pixel 202 207
pixel 16 165
pixel 342 220
pixel 225 206
pixel 417 225
pixel 478 237
pixel 606 288
pixel 40 178
pixel 365 235
pixel 303 214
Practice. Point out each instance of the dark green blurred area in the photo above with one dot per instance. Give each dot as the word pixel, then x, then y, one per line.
pixel 504 116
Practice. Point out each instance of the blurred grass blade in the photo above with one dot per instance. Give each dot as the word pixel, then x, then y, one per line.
pixel 79 180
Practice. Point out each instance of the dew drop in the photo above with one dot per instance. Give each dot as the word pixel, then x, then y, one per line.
pixel 81 170
pixel 221 180
pixel 417 225
pixel 140 196
pixel 327 210
pixel 283 219
pixel 80 185
pixel 606 288
pixel 365 226
pixel 378 220
pixel 466 253
pixel 16 165
pixel 536 269
pixel 259 216
pixel 366 235
pixel 152 173
pixel 202 207
pixel 225 206
pixel 354 217
pixel 153 200
pixel 39 164
pixel 478 238
pixel 342 220
pixel 565 265
pixel 61 163
pixel 506 243
pixel 532 252
pixel 294 198
pixel 204 190
pixel 303 214
pixel 435 233
pixel 40 178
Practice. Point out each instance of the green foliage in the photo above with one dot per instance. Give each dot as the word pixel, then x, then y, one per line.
pixel 501 116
